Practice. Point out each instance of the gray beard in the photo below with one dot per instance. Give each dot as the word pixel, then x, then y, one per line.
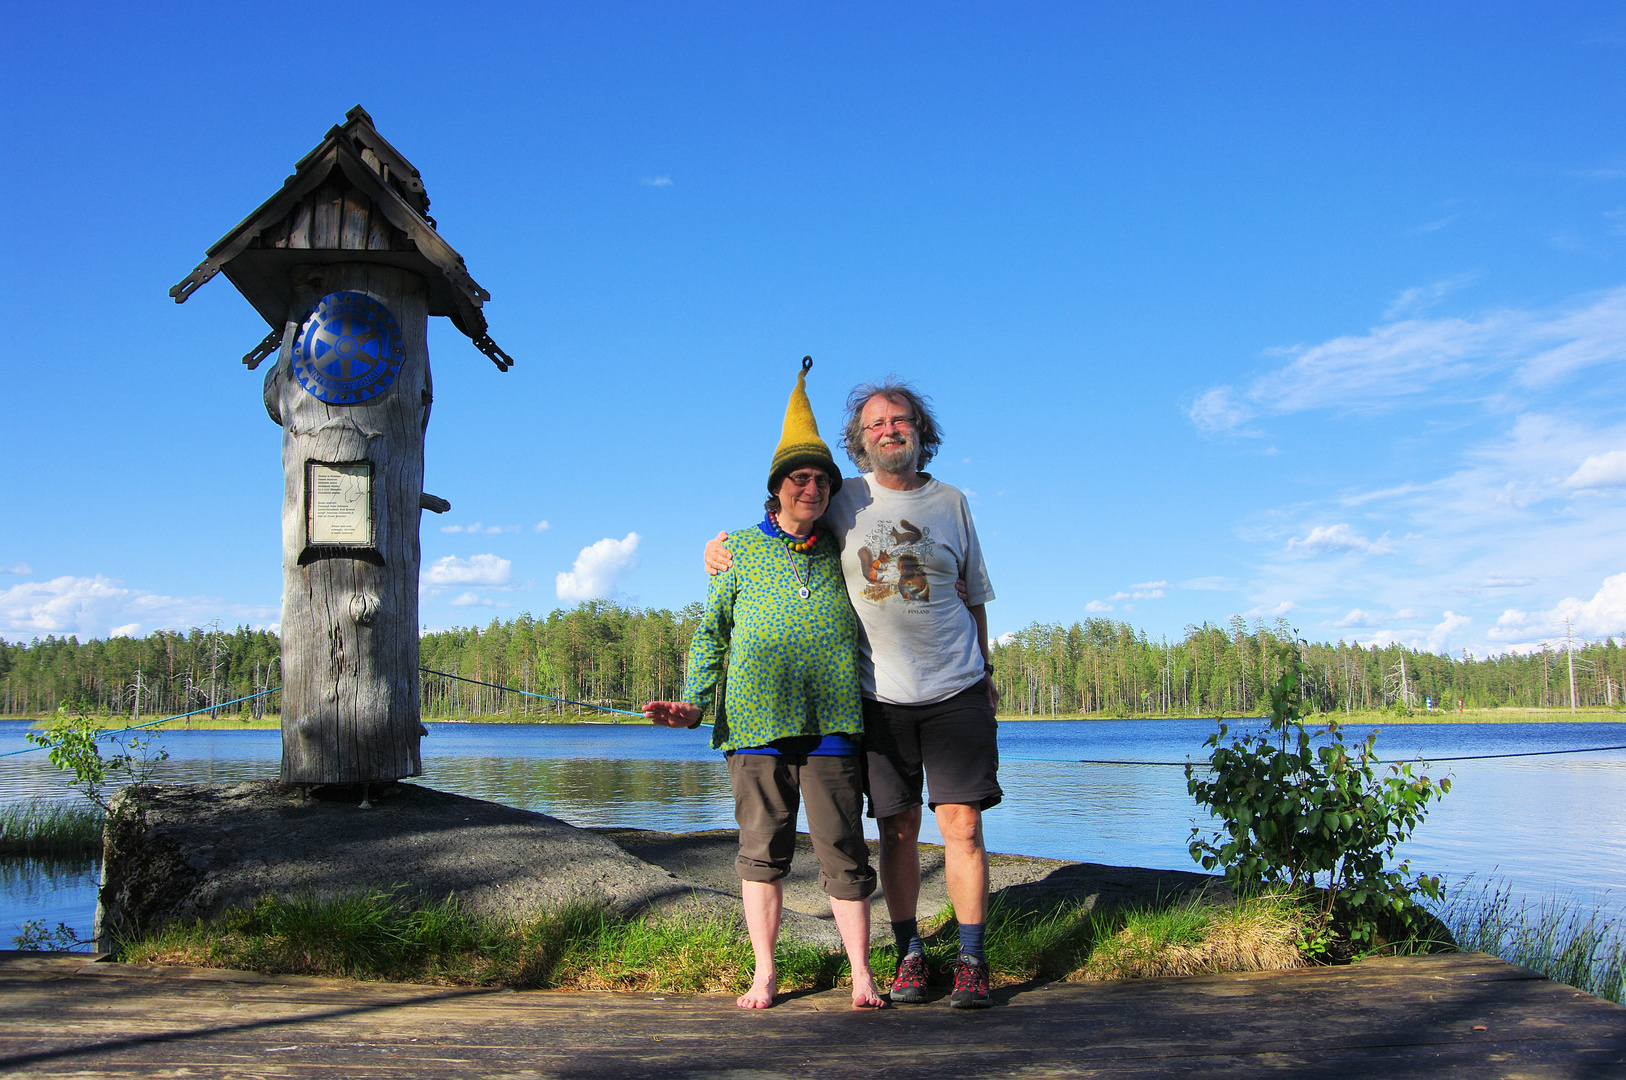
pixel 899 458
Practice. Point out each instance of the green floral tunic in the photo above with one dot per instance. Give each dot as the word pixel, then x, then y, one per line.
pixel 792 663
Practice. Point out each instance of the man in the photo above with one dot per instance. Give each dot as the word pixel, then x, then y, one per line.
pixel 907 540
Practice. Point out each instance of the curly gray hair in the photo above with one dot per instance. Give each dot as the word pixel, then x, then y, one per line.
pixel 927 432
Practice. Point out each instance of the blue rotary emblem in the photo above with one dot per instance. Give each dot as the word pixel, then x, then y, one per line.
pixel 349 350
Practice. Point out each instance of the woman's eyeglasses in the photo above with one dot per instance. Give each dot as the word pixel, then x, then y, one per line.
pixel 802 479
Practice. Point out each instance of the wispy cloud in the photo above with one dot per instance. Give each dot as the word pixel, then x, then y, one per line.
pixel 541 526
pixel 22 569
pixel 489 530
pixel 1337 538
pixel 1423 297
pixel 1419 359
pixel 94 607
pixel 1097 607
pixel 1359 618
pixel 658 181
pixel 1273 612
pixel 599 569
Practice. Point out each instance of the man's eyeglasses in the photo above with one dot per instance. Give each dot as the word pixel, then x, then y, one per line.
pixel 891 421
pixel 802 479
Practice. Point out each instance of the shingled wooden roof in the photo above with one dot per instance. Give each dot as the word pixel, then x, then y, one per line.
pixel 352 199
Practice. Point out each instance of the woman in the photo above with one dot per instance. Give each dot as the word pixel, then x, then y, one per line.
pixel 790 721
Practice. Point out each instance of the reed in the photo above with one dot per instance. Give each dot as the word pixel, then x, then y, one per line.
pixel 1566 941
pixel 47 828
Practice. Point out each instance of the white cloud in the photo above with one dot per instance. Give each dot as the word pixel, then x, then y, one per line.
pixel 476 570
pixel 470 599
pixel 1007 638
pixel 599 569
pixel 1096 607
pixel 1600 616
pixel 1438 636
pixel 541 526
pixel 1357 617
pixel 1419 358
pixel 1600 471
pixel 1262 612
pixel 22 569
pixel 658 181
pixel 1328 538
pixel 95 607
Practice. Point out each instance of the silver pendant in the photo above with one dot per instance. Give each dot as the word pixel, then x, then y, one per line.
pixel 803 593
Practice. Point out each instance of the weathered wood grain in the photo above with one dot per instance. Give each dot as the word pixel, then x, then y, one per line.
pixel 1436 1016
pixel 353 225
pixel 350 626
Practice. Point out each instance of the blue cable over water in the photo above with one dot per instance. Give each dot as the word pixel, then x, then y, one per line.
pixel 163 720
pixel 627 712
pixel 527 693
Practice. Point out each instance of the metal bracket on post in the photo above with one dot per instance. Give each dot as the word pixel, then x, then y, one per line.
pixel 491 349
pixel 271 343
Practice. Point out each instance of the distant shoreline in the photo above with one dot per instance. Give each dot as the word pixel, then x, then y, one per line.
pixel 1372 717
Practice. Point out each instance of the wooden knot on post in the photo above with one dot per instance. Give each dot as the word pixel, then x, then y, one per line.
pixel 363 608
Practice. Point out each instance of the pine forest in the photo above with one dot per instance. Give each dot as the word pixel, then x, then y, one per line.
pixel 604 654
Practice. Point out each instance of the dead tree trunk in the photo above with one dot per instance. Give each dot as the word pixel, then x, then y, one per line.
pixel 350 709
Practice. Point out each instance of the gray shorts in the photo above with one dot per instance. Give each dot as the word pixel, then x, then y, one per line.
pixel 951 744
pixel 767 790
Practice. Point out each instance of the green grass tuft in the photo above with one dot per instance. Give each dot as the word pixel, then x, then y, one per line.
pixel 44 828
pixel 1566 942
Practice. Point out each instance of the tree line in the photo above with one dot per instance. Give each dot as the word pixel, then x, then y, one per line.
pixel 1101 666
pixel 604 654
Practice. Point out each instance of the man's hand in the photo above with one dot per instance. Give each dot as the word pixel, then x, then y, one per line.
pixel 672 713
pixel 717 558
pixel 993 693
pixel 960 590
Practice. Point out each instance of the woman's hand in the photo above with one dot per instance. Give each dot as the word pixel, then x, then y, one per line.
pixel 672 713
pixel 717 557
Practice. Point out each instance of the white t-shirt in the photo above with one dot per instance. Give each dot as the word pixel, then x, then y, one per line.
pixel 900 553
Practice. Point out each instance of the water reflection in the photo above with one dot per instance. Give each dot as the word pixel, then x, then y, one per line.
pixel 53 890
pixel 1544 824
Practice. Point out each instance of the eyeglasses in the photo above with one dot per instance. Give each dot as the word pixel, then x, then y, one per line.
pixel 802 479
pixel 891 421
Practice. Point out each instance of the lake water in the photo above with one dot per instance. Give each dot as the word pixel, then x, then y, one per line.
pixel 1545 825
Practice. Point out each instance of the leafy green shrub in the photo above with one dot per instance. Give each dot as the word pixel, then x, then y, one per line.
pixel 72 739
pixel 1299 807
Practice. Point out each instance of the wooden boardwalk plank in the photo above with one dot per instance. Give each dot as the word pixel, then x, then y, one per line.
pixel 1448 1015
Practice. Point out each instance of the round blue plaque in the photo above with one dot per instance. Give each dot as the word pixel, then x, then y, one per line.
pixel 349 350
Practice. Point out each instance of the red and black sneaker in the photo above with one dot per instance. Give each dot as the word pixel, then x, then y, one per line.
pixel 909 988
pixel 970 984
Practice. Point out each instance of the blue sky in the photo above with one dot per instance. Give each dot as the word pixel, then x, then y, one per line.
pixel 1226 309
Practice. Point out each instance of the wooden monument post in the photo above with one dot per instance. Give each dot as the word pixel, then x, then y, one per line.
pixel 345 265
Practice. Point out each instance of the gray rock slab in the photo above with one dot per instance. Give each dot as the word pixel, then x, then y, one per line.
pixel 707 859
pixel 194 850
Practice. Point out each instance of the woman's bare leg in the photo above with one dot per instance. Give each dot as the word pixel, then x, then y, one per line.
pixel 764 902
pixel 852 919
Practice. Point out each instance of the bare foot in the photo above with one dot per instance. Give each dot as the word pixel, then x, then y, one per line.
pixel 761 994
pixel 865 995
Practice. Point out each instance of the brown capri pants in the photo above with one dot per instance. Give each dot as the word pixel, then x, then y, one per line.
pixel 767 790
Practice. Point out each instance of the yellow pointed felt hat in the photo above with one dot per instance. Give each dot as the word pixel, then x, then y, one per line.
pixel 799 442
